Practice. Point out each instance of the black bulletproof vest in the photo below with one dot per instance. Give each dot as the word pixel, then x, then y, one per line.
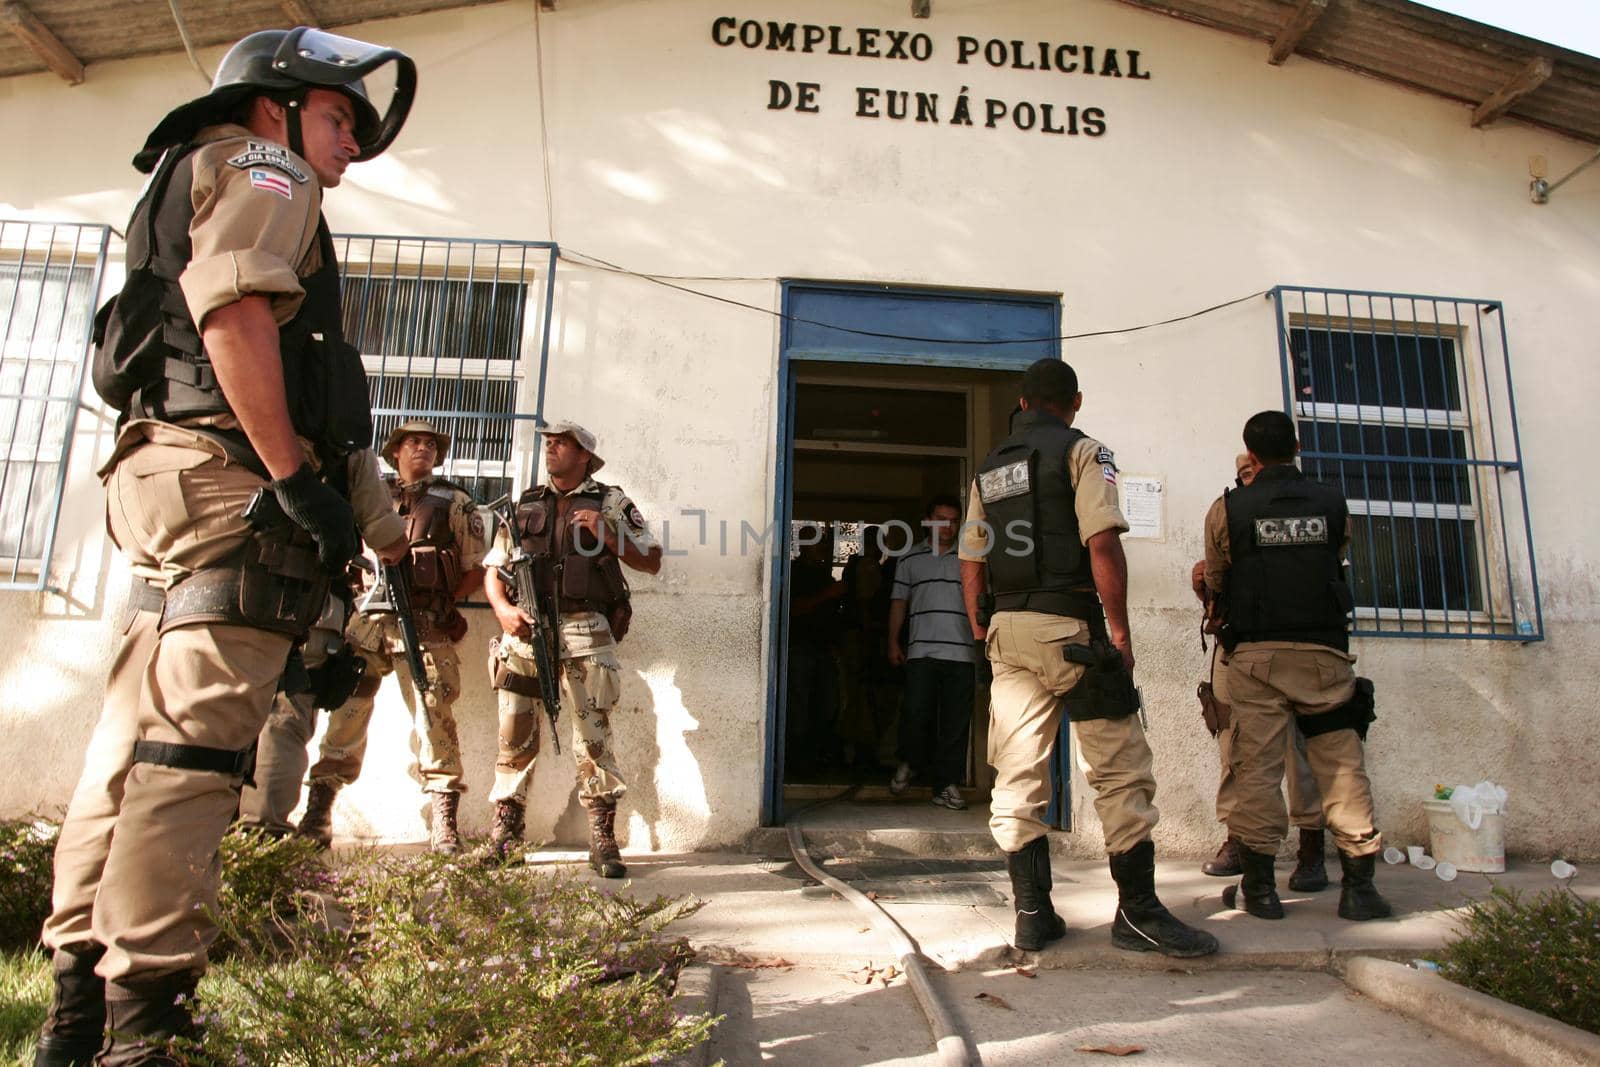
pixel 1027 497
pixel 1286 581
pixel 149 361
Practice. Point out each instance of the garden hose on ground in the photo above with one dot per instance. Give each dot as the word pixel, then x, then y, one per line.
pixel 952 1047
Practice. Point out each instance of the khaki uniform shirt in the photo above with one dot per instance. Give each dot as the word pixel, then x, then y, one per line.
pixel 583 633
pixel 379 523
pixel 1092 473
pixel 254 232
pixel 1219 558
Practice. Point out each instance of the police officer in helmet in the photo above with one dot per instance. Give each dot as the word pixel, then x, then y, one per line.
pixel 1043 534
pixel 225 359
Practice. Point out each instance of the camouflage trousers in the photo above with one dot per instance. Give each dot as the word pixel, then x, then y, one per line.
pixel 344 744
pixel 590 686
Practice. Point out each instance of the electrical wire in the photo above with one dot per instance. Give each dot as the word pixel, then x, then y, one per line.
pixel 544 131
pixel 188 45
pixel 583 259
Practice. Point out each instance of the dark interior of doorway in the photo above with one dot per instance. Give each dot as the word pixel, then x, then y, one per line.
pixel 872 445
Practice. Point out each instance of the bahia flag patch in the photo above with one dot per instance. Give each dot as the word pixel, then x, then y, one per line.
pixel 273 183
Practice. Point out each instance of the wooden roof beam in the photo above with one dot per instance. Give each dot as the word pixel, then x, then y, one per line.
pixel 36 35
pixel 1305 16
pixel 1525 81
pixel 300 13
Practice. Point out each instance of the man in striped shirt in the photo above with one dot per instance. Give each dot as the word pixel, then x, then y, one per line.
pixel 936 711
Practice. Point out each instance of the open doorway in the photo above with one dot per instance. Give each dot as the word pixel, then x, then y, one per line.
pixel 871 446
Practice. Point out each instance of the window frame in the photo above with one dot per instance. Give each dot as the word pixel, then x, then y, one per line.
pixel 418 260
pixel 77 248
pixel 1498 547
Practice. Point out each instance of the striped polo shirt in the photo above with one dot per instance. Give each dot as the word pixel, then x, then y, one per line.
pixel 930 585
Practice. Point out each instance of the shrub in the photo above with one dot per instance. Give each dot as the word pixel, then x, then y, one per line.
pixel 269 886
pixel 24 998
pixel 1540 953
pixel 455 965
pixel 27 847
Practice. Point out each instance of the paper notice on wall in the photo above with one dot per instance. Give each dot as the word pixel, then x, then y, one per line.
pixel 1143 506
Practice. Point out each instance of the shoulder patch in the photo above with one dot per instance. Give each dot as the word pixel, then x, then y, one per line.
pixel 1104 457
pixel 272 182
pixel 267 154
pixel 632 513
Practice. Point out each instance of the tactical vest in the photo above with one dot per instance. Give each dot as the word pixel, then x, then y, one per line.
pixel 434 564
pixel 1286 581
pixel 149 361
pixel 586 577
pixel 1027 497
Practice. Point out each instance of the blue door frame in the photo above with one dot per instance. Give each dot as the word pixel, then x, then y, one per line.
pixel 829 322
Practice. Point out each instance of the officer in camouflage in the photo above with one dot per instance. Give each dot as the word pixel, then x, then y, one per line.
pixel 1275 553
pixel 1043 536
pixel 444 532
pixel 225 358
pixel 579 530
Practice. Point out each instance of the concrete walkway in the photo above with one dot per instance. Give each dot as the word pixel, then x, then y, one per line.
pixel 800 971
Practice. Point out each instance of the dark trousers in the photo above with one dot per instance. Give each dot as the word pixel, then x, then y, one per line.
pixel 936 718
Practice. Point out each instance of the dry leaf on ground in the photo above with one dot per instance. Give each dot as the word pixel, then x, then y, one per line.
pixel 1113 1050
pixel 998 1002
pixel 1026 972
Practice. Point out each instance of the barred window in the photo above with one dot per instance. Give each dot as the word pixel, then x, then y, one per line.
pixel 1404 403
pixel 442 326
pixel 49 280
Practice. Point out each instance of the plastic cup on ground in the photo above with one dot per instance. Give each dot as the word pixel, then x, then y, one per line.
pixel 1416 854
pixel 1425 862
pixel 1562 869
pixel 1446 872
pixel 1393 855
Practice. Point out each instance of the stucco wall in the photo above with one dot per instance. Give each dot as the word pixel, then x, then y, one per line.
pixel 1217 177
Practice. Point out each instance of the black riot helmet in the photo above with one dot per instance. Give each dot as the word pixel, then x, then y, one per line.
pixel 285 65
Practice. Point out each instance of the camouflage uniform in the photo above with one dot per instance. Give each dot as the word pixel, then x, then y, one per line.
pixel 590 680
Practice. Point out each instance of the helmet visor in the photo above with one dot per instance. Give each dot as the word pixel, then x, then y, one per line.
pixel 316 58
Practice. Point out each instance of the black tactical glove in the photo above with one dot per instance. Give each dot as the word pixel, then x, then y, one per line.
pixel 321 512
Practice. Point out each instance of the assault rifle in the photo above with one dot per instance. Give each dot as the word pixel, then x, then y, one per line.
pixel 544 624
pixel 391 594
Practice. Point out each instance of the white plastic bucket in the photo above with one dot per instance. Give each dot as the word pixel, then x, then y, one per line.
pixel 1454 842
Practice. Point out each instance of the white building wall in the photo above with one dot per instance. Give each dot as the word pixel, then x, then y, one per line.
pixel 1217 177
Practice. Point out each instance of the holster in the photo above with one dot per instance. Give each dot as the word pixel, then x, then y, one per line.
pixel 337 679
pixel 453 625
pixel 1217 715
pixel 1358 714
pixel 274 582
pixel 501 676
pixel 1106 690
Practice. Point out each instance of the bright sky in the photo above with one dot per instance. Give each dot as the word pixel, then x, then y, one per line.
pixel 1573 24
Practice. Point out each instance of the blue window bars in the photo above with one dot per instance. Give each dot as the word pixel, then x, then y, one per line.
pixel 1405 403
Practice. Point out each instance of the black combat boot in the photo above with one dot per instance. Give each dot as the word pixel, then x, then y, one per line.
pixel 1259 887
pixel 317 822
pixel 1037 921
pixel 1310 864
pixel 604 856
pixel 1143 923
pixel 143 1014
pixel 442 834
pixel 76 1026
pixel 1225 864
pixel 1358 897
pixel 506 833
